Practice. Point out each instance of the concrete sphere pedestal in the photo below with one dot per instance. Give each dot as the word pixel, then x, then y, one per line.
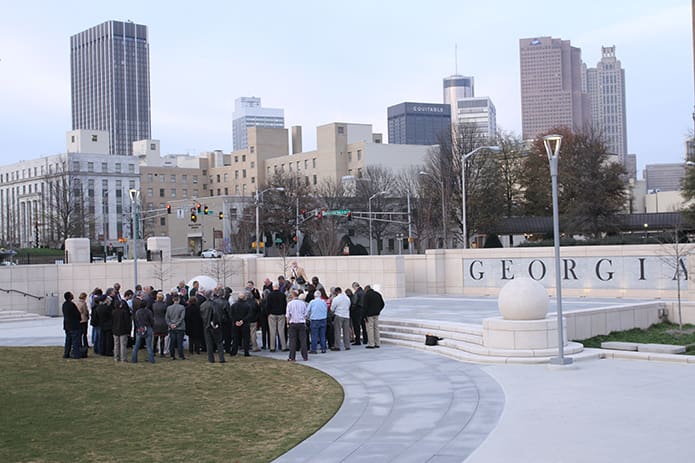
pixel 524 326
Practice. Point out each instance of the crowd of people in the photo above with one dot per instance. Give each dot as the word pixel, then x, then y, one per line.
pixel 292 314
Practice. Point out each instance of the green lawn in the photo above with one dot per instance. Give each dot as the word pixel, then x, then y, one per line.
pixel 659 333
pixel 247 410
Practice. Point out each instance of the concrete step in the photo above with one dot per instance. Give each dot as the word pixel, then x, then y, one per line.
pixel 447 334
pixel 7 316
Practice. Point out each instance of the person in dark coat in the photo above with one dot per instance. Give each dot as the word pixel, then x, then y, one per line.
pixel 212 316
pixel 72 327
pixel 121 325
pixel 103 316
pixel 160 328
pixel 240 315
pixel 372 304
pixel 194 326
pixel 356 317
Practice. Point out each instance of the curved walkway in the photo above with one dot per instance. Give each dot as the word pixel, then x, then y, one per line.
pixel 402 405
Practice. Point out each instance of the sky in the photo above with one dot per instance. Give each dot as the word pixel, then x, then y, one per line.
pixel 325 61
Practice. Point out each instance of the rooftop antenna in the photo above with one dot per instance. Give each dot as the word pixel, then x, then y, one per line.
pixel 456 58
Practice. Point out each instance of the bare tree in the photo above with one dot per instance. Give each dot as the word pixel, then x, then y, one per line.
pixel 161 271
pixel 378 183
pixel 677 249
pixel 242 238
pixel 219 269
pixel 66 214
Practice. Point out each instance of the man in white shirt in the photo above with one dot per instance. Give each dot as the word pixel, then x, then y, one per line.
pixel 341 309
pixel 296 321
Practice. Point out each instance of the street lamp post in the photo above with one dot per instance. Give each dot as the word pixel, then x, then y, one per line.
pixel 464 158
pixel 552 147
pixel 371 250
pixel 441 184
pixel 134 200
pixel 258 199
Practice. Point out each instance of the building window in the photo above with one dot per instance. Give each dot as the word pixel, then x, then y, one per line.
pixel 236 158
pixel 226 191
pixel 153 146
pixel 104 167
pixel 306 164
pixel 149 178
pixel 253 164
pixel 94 138
pixel 219 192
pixel 195 193
pixel 253 179
pixel 341 130
pixel 75 166
pixel 163 221
pixel 243 189
pixel 226 177
pixel 173 192
pixel 359 155
pixel 162 178
pixel 236 189
pixel 184 178
pixel 173 179
pixel 315 180
pixel 118 167
pixel 150 192
pixel 313 163
pixel 233 213
pixel 195 179
pixel 161 192
pixel 252 149
pixel 243 158
pixel 243 173
pixel 184 192
pixel 349 156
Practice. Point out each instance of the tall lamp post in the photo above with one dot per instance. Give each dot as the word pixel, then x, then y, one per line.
pixel 552 147
pixel 371 250
pixel 464 158
pixel 441 184
pixel 134 201
pixel 259 195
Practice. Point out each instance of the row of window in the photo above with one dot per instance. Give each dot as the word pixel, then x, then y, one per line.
pixel 172 178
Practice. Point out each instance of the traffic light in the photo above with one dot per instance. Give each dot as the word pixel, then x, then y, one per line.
pixel 194 217
pixel 221 215
pixel 206 210
pixel 168 208
pixel 199 207
pixel 320 214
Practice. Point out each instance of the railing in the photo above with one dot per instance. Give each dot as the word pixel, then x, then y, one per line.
pixel 22 293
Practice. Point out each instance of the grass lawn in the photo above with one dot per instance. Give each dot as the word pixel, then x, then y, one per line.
pixel 659 333
pixel 247 410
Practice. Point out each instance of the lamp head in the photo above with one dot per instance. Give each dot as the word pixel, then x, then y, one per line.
pixel 552 145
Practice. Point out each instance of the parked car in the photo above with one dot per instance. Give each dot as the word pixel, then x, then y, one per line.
pixel 211 253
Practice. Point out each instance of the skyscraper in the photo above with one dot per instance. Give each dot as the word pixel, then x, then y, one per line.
pixel 249 113
pixel 551 86
pixel 110 69
pixel 605 85
pixel 418 123
pixel 457 87
pixel 478 112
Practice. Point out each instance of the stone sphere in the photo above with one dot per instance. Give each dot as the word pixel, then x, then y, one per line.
pixel 523 299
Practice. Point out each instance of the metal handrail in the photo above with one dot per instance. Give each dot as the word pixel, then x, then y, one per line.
pixel 22 293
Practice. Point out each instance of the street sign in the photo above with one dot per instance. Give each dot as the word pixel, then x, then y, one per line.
pixel 342 212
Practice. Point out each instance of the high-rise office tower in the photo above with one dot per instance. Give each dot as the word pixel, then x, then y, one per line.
pixel 418 123
pixel 478 112
pixel 457 87
pixel 110 69
pixel 605 85
pixel 551 86
pixel 249 113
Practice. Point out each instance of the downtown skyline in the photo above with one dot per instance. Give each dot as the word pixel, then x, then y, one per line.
pixel 348 67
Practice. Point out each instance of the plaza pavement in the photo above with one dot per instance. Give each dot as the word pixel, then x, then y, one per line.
pixel 403 405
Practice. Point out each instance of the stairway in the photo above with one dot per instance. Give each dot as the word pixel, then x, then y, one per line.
pixel 464 342
pixel 7 316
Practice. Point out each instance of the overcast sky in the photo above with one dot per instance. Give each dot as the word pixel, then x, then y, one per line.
pixel 326 61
